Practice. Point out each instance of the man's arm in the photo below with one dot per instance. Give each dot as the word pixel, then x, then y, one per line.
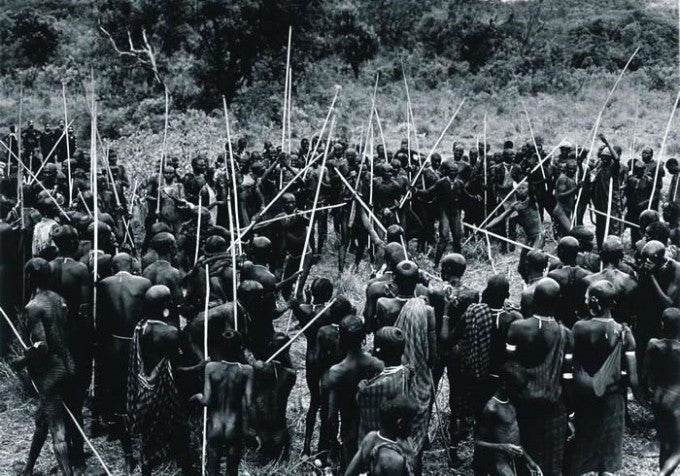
pixel 370 228
pixel 562 187
pixel 204 398
pixel 431 192
pixel 611 149
pixel 431 336
pixel 500 218
pixel 358 463
pixel 329 382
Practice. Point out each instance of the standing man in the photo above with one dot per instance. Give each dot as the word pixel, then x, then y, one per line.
pixel 606 172
pixel 50 364
pixel 540 344
pixel 600 346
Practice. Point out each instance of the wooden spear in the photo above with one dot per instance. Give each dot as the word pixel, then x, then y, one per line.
pixel 490 215
pixel 662 152
pixel 597 125
pixel 233 263
pixel 205 357
pixel 198 227
pixel 274 200
pixel 237 219
pixel 429 156
pixel 503 238
pixel 161 167
pixel 310 227
pixel 68 147
pixel 312 321
pixel 313 146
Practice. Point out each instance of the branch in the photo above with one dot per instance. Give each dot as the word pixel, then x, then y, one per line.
pixel 145 55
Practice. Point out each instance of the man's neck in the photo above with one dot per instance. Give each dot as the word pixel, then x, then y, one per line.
pixel 501 396
pixel 532 277
pixel 455 281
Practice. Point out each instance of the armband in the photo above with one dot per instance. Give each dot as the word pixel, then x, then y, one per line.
pixel 630 353
pixel 567 376
pixel 510 347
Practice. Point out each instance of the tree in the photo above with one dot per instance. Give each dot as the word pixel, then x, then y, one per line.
pixel 224 39
pixel 354 40
pixel 28 39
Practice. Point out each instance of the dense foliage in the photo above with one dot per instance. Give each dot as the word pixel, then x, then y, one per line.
pixel 204 49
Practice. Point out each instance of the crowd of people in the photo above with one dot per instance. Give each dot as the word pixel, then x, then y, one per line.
pixel 199 306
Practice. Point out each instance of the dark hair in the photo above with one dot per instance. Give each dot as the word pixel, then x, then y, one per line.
pixel 397 415
pixel 352 332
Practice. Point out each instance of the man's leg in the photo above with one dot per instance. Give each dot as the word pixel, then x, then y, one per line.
pixel 321 219
pixel 234 457
pixel 39 437
pixel 444 237
pixel 54 415
pixel 456 224
pixel 600 225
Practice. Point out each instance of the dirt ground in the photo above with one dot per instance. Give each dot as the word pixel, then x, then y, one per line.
pixel 17 407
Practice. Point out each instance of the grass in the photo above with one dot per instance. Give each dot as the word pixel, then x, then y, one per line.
pixel 192 132
pixel 17 409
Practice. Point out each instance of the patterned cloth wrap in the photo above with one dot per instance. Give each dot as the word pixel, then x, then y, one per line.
pixel 153 403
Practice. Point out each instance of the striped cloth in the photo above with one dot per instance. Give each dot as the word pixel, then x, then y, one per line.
pixel 413 321
pixel 541 414
pixel 371 393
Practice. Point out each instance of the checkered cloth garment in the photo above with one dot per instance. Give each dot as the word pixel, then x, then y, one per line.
pixel 153 403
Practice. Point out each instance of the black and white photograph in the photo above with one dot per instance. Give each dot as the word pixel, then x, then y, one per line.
pixel 339 237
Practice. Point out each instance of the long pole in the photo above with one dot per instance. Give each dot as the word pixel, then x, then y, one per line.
pixel 310 226
pixel 312 147
pixel 413 123
pixel 298 213
pixel 662 151
pixel 234 286
pixel 198 226
pixel 237 219
pixel 609 207
pixel 533 140
pixel 432 151
pixel 161 167
pixel 361 202
pixel 288 344
pixel 205 357
pixel 597 125
pixel 503 238
pixel 382 136
pixel 290 108
pixel 274 200
pixel 68 147
pixel 490 215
